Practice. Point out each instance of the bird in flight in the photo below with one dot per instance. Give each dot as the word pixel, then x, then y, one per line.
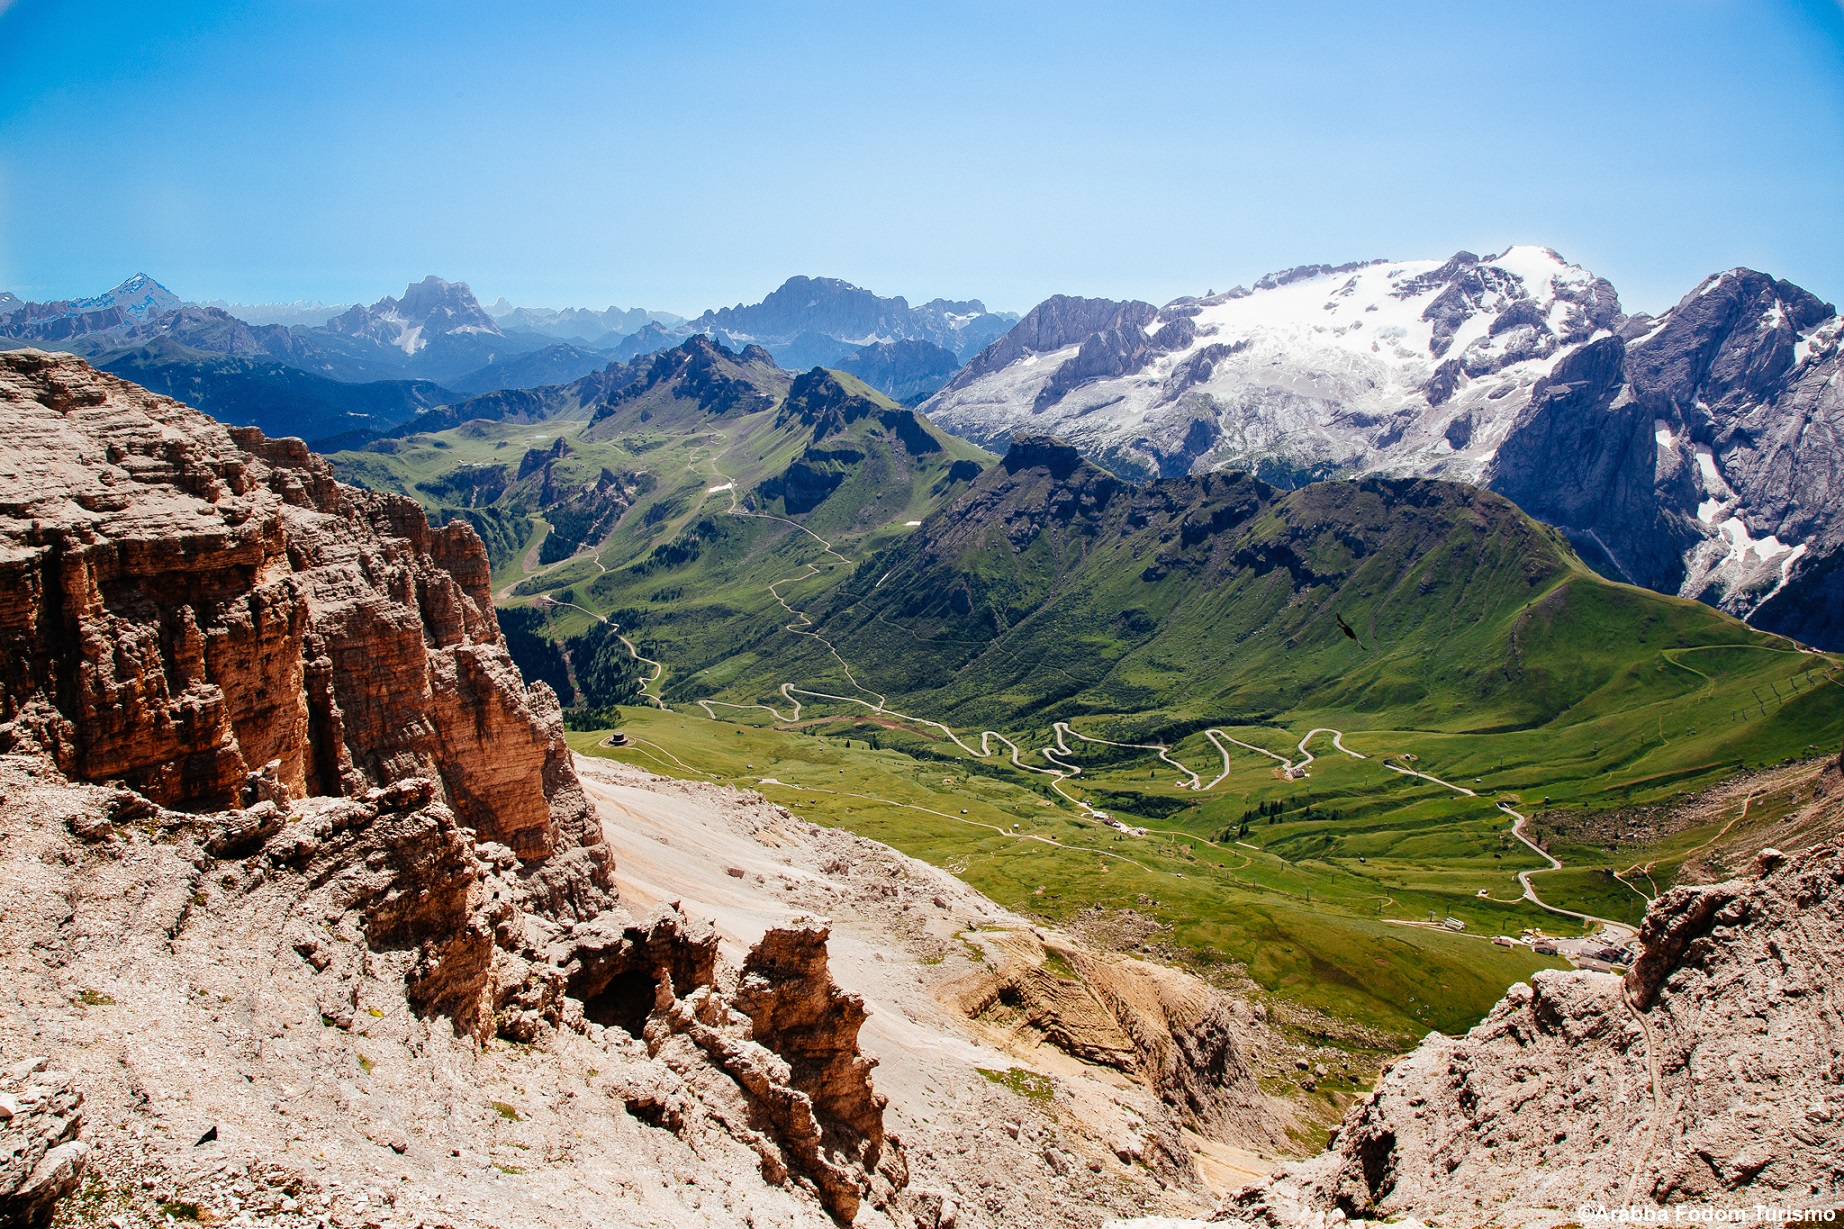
pixel 1346 629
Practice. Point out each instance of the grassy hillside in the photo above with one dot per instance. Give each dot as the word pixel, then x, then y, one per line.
pixel 1304 930
pixel 670 494
pixel 1479 651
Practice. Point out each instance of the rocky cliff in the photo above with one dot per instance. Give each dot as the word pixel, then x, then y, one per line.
pixel 206 616
pixel 270 780
pixel 1711 1074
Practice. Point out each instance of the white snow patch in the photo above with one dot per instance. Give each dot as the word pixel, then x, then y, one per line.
pixel 726 486
pixel 1661 431
pixel 1742 543
pixel 1818 341
pixel 1713 481
pixel 1786 572
pixel 1333 367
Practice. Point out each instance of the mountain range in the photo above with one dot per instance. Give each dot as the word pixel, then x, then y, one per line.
pixel 599 328
pixel 436 333
pixel 796 559
pixel 1696 453
pixel 380 904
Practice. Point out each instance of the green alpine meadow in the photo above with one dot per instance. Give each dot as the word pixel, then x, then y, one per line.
pixel 1314 734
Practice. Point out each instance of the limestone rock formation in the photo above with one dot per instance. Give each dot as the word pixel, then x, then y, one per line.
pixel 787 1038
pixel 1713 1073
pixel 41 1159
pixel 795 1010
pixel 192 988
pixel 197 607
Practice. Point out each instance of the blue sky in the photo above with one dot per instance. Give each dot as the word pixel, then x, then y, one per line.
pixel 685 156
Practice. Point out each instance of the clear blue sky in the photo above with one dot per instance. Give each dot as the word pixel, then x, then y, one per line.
pixel 681 156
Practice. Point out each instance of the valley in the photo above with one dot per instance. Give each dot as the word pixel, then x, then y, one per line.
pixel 1143 698
pixel 1242 789
pixel 993 616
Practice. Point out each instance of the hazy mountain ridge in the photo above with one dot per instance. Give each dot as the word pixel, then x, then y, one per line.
pixel 271 396
pixel 437 330
pixel 851 314
pixel 310 313
pixel 578 323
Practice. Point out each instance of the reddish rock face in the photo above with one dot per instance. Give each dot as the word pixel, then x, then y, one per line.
pixel 187 603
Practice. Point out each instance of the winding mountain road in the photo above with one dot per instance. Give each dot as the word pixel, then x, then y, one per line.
pixel 1059 755
pixel 1616 933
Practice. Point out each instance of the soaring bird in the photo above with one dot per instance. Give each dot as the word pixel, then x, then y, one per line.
pixel 1346 629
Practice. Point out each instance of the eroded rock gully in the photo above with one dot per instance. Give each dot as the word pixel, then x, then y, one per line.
pixel 1712 1073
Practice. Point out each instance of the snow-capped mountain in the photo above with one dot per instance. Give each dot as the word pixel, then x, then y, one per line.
pixel 1701 453
pixel 430 308
pixel 1415 366
pixel 139 298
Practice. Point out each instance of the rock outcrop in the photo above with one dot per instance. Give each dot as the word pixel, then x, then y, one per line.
pixel 1711 1074
pixel 800 1093
pixel 787 1038
pixel 196 607
pixel 1179 1035
pixel 41 1158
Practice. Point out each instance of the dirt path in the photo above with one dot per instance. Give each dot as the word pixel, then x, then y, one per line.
pixel 1062 729
pixel 633 652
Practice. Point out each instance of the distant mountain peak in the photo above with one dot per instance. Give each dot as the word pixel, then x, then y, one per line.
pixel 428 309
pixel 135 301
pixel 804 307
pixel 139 297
